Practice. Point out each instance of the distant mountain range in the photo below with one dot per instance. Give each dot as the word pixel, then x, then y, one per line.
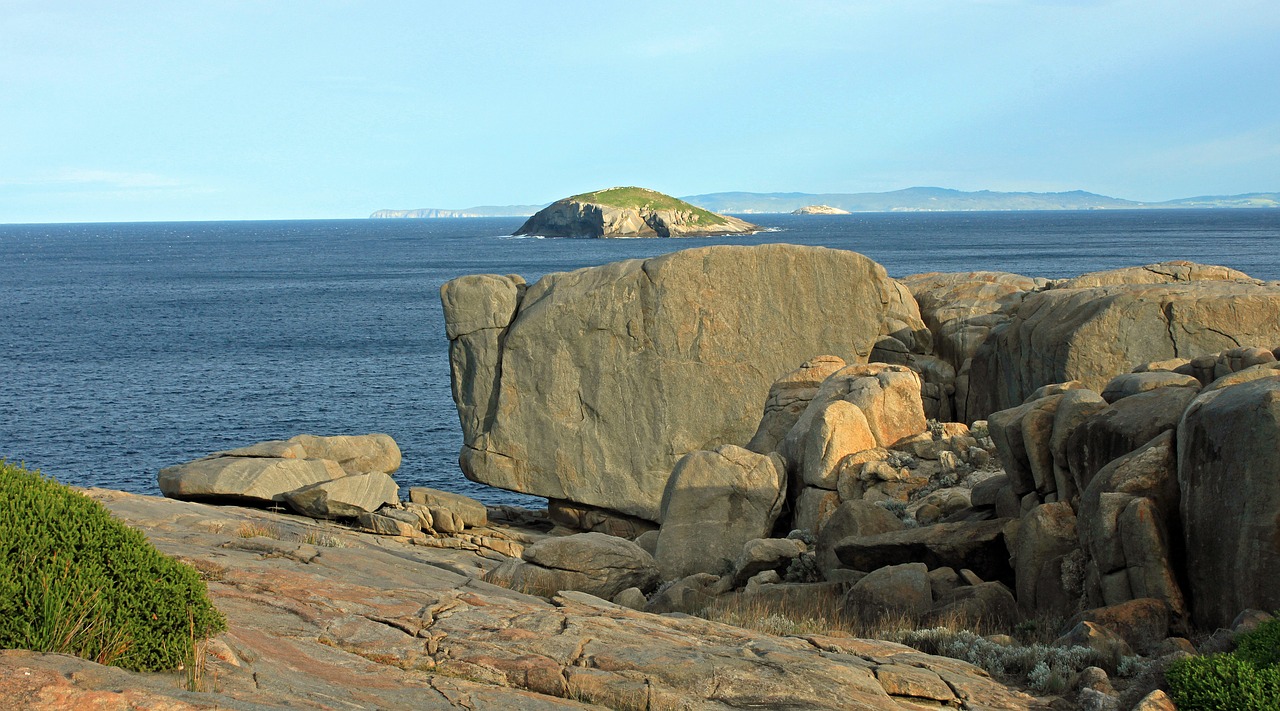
pixel 908 200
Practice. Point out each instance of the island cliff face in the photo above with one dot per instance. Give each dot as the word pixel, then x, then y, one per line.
pixel 629 213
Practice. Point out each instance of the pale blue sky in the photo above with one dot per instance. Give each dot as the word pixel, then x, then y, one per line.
pixel 262 110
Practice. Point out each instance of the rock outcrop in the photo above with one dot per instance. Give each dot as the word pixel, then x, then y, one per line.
pixel 588 386
pixel 820 210
pixel 374 622
pixel 1093 334
pixel 263 473
pixel 629 212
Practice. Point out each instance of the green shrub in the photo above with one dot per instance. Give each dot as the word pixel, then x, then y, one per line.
pixel 1223 682
pixel 1260 646
pixel 73 579
pixel 1246 679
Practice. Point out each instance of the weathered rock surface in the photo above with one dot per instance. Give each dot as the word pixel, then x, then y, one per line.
pixel 472 512
pixel 1228 446
pixel 381 624
pixel 713 504
pixel 246 479
pixel 595 563
pixel 602 378
pixel 644 213
pixel 345 497
pixel 1161 273
pixel 788 398
pixel 1092 334
pixel 264 472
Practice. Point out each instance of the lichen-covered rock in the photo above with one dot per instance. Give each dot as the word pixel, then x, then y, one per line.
pixel 604 377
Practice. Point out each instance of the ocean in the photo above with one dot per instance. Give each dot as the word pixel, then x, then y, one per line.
pixel 125 348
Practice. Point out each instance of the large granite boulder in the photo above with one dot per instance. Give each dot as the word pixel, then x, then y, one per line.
pixel 1228 446
pixel 1092 334
pixel 591 384
pixel 1122 427
pixel 714 503
pixel 472 512
pixel 1161 273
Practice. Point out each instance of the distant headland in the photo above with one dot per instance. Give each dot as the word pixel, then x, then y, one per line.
pixel 919 199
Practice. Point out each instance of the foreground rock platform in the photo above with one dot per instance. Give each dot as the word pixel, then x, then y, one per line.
pixel 378 622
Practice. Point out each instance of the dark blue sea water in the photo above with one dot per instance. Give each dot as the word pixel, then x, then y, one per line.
pixel 128 347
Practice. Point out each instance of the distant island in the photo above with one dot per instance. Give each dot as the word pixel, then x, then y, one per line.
pixel 908 200
pixel 820 210
pixel 629 212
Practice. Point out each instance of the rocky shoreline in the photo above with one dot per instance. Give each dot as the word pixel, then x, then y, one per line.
pixel 776 427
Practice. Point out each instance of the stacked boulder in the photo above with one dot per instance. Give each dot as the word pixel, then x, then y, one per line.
pixel 340 478
pixel 321 477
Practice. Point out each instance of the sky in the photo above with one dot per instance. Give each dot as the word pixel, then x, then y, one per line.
pixel 195 110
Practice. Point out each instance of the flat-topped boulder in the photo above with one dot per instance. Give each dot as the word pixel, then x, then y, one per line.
pixel 629 212
pixel 263 473
pixel 593 383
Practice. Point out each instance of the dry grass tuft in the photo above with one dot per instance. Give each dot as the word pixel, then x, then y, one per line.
pixel 254 529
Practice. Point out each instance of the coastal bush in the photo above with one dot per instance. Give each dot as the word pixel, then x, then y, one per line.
pixel 1247 679
pixel 1045 668
pixel 75 580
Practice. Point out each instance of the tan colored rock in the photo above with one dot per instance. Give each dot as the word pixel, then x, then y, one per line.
pixel 1228 445
pixel 813 508
pixel 851 519
pixel 765 554
pixel 788 397
pixel 583 518
pixel 1123 427
pixel 472 512
pixel 1147 555
pixel 1253 372
pixel 962 308
pixel 445 521
pixel 385 624
pixel 345 497
pixel 912 682
pixel 1161 273
pixel 893 589
pixel 690 594
pixel 1127 384
pixel 387 525
pixel 1048 532
pixel 1023 433
pixel 714 502
pixel 1091 334
pixel 637 363
pixel 1143 623
pixel 1234 360
pixel 1098 638
pixel 1156 701
pixel 594 563
pixel 356 454
pixel 839 429
pixel 247 479
pixel 1076 407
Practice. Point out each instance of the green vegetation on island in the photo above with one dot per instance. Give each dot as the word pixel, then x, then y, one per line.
pixel 75 580
pixel 632 198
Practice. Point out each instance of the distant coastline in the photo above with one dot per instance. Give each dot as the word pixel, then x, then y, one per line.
pixel 907 200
